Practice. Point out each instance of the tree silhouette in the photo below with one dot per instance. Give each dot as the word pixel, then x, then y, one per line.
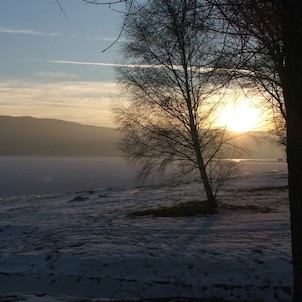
pixel 269 51
pixel 170 75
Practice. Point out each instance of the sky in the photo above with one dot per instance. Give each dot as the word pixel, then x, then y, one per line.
pixel 52 64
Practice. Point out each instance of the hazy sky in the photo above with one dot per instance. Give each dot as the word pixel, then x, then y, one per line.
pixel 52 65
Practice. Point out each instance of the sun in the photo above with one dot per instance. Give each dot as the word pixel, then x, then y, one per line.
pixel 239 117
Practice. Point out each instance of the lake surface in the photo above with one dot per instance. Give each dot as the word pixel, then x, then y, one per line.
pixel 51 175
pixel 59 175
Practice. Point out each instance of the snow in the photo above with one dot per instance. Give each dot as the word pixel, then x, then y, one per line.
pixel 59 247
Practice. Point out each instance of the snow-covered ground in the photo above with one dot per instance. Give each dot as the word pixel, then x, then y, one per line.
pixel 62 248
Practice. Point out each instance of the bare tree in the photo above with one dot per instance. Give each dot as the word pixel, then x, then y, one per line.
pixel 256 56
pixel 270 53
pixel 170 76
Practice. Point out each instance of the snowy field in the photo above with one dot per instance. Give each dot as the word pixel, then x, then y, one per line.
pixel 78 246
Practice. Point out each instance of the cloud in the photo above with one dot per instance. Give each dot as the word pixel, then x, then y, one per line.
pixel 106 64
pixel 176 67
pixel 83 102
pixel 74 35
pixel 55 75
pixel 96 38
pixel 25 31
pixel 86 63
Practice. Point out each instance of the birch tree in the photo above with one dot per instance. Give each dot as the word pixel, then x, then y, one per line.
pixel 170 77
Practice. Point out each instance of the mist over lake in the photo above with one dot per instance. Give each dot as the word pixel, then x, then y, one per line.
pixel 52 175
pixel 55 175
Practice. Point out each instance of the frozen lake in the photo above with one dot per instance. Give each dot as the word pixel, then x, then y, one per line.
pixel 52 175
pixel 58 175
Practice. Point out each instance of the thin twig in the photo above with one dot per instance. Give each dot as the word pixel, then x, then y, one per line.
pixel 61 7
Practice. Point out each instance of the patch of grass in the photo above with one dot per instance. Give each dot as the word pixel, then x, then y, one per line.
pixel 196 208
pixel 201 300
pixel 79 198
pixel 185 209
pixel 264 189
pixel 248 207
pixel 9 298
pixel 179 299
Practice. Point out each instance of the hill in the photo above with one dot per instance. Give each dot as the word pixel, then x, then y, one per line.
pixel 50 137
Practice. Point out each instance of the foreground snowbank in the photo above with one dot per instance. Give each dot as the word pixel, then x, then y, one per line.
pixel 61 247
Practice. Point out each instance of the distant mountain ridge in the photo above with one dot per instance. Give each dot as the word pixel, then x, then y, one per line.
pixel 28 136
pixel 51 137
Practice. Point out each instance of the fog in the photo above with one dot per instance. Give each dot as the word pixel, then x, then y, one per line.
pixel 59 175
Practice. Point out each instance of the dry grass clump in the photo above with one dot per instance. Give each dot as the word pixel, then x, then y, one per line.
pixel 185 209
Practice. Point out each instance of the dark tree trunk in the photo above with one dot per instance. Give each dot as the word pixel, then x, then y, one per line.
pixel 212 203
pixel 293 101
pixel 294 159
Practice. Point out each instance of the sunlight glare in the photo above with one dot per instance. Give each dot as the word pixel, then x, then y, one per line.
pixel 239 117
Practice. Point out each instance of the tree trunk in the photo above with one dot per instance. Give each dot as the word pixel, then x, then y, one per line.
pixel 199 158
pixel 293 101
pixel 205 179
pixel 212 203
pixel 294 159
